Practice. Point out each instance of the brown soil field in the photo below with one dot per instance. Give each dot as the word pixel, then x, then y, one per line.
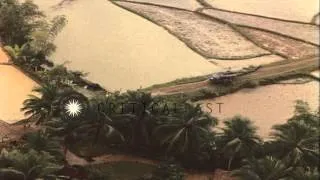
pixel 184 4
pixel 287 47
pixel 210 38
pixel 304 32
pixel 9 132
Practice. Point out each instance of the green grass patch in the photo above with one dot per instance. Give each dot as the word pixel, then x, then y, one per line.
pixel 179 81
pixel 119 170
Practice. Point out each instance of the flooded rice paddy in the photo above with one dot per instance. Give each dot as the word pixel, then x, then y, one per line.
pixel 299 10
pixel 266 105
pixel 208 37
pixel 121 50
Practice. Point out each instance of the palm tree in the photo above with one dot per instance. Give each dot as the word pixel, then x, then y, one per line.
pixel 61 75
pixel 185 134
pixel 267 168
pixel 41 141
pixel 300 143
pixel 16 53
pixel 304 115
pixel 24 56
pixel 42 37
pixel 41 108
pixel 139 117
pixel 305 174
pixel 27 166
pixel 100 125
pixel 238 138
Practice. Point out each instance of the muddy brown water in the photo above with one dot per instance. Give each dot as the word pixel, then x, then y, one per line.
pixel 121 50
pixel 299 10
pixel 265 105
pixel 14 89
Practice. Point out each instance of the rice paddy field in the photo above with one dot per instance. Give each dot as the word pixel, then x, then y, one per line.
pixel 306 32
pixel 286 47
pixel 210 38
pixel 121 50
pixel 184 4
pixel 298 10
pixel 266 105
pixel 131 45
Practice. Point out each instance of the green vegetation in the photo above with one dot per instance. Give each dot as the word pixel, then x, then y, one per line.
pixel 180 81
pixel 239 139
pixel 178 133
pixel 212 91
pixel 119 170
pixel 185 136
pixel 166 170
pixel 27 34
pixel 27 165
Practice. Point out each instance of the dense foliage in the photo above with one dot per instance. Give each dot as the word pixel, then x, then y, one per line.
pixel 137 123
pixel 27 34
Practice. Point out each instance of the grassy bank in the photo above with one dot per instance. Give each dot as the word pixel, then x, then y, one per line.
pixel 212 91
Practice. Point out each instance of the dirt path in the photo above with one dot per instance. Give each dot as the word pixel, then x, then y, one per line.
pixel 73 159
pixel 271 70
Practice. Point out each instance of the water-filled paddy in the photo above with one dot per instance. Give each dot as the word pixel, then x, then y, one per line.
pixel 299 10
pixel 266 105
pixel 14 89
pixel 121 50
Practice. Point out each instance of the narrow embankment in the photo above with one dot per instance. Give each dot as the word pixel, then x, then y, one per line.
pixel 303 32
pixel 273 70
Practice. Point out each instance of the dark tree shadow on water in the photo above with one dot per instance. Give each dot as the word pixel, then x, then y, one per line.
pixel 62 4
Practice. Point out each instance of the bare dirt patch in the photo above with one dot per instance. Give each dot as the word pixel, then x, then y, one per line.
pixel 306 32
pixel 9 132
pixel 211 39
pixel 287 47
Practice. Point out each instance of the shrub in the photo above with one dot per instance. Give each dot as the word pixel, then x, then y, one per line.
pixel 167 171
pixel 251 84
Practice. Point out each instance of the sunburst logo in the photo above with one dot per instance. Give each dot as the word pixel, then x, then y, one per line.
pixel 73 106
